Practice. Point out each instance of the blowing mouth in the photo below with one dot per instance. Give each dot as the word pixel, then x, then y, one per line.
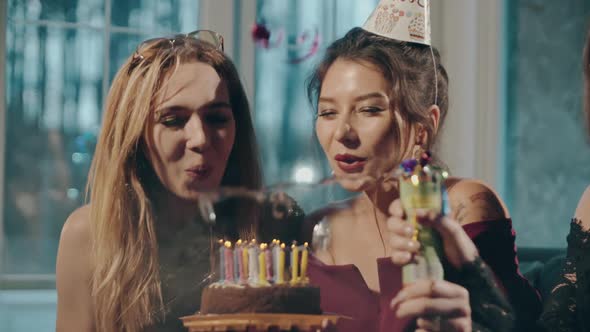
pixel 349 163
pixel 348 158
pixel 200 171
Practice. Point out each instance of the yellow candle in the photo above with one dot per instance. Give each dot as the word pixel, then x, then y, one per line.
pixel 281 269
pixel 304 254
pixel 294 263
pixel 262 266
pixel 245 260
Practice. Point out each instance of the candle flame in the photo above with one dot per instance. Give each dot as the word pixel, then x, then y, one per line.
pixel 227 244
pixel 282 246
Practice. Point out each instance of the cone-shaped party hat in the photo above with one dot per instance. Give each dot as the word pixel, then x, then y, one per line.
pixel 403 20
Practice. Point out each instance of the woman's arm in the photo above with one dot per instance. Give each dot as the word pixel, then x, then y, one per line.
pixel 473 303
pixel 437 305
pixel 474 201
pixel 73 274
pixel 485 218
pixel 566 306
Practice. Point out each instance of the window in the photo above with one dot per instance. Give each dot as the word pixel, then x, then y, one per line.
pixel 284 118
pixel 61 56
pixel 60 59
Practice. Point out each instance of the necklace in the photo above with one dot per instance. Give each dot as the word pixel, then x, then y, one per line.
pixel 379 230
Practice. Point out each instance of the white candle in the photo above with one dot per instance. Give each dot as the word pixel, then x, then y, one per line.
pixel 253 264
pixel 237 248
pixel 275 260
pixel 221 261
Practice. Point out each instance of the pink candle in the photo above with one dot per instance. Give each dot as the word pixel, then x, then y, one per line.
pixel 275 260
pixel 229 262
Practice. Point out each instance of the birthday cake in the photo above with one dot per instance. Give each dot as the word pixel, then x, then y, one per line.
pixel 261 278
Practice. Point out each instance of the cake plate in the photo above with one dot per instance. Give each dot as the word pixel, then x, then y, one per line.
pixel 258 321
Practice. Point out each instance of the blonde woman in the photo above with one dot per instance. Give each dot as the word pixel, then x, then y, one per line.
pixel 176 123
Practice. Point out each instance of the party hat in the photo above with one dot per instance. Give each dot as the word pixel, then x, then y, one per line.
pixel 403 20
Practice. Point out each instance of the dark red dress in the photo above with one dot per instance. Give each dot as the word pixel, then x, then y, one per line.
pixel 344 291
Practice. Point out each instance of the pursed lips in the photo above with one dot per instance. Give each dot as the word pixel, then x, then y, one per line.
pixel 198 172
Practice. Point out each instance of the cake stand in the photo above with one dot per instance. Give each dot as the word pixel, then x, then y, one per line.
pixel 255 322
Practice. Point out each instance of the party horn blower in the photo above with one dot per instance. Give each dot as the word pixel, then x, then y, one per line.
pixel 421 190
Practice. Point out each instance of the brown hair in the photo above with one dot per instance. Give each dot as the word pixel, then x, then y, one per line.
pixel 125 282
pixel 407 66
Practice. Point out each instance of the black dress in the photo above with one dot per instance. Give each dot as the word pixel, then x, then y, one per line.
pixel 344 291
pixel 490 310
pixel 568 306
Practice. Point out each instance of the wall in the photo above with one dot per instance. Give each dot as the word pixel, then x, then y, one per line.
pixel 548 160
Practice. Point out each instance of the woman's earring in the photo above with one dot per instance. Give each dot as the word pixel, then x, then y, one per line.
pixel 419 139
pixel 418 150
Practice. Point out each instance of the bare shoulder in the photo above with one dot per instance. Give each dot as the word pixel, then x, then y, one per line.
pixel 74 272
pixel 473 201
pixel 73 256
pixel 77 226
pixel 75 235
pixel 582 213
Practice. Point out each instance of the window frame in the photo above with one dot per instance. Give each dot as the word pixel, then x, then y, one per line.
pixel 3 28
pixel 236 34
pixel 471 34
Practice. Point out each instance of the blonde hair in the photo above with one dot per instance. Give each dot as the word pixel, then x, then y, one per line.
pixel 125 283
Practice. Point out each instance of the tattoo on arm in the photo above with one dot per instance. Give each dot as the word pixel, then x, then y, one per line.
pixel 460 212
pixel 488 205
pixel 483 196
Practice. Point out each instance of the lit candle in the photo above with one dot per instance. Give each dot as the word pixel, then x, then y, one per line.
pixel 229 262
pixel 262 265
pixel 268 261
pixel 221 261
pixel 244 278
pixel 253 264
pixel 275 260
pixel 294 263
pixel 237 254
pixel 281 265
pixel 239 257
pixel 304 254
